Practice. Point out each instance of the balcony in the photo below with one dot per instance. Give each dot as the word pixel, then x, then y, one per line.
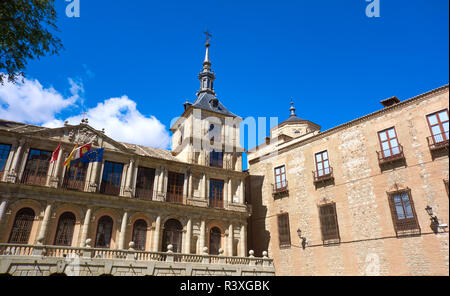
pixel 35 260
pixel 32 178
pixel 439 141
pixel 174 198
pixel 280 188
pixel 216 203
pixel 390 155
pixel 323 175
pixel 109 189
pixel 73 184
pixel 144 194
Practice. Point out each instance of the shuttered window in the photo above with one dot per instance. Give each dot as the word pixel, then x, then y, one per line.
pixel 329 224
pixel 403 213
pixel 284 231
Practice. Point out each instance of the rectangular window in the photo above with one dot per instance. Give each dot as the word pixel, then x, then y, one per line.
pixel 144 183
pixel 216 193
pixel 329 224
pixel 216 159
pixel 112 177
pixel 323 164
pixel 403 213
pixel 280 178
pixel 4 153
pixel 175 188
pixel 389 143
pixel 438 123
pixel 284 231
pixel 36 169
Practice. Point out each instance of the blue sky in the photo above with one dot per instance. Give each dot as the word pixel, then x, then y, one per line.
pixel 334 61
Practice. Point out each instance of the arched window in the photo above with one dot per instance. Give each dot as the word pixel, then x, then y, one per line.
pixel 172 235
pixel 104 232
pixel 215 241
pixel 64 232
pixel 140 234
pixel 20 233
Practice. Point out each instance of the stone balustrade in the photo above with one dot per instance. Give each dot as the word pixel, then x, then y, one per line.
pixel 38 260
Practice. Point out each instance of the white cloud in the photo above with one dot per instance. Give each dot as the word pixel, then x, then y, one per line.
pixel 31 103
pixel 123 122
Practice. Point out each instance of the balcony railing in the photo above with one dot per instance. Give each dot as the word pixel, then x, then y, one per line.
pixel 174 198
pixel 109 189
pixel 438 141
pixel 323 175
pixel 390 155
pixel 73 184
pixel 280 187
pixel 31 178
pixel 15 250
pixel 144 194
pixel 216 203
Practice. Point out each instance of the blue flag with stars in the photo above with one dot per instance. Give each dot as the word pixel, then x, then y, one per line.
pixel 93 156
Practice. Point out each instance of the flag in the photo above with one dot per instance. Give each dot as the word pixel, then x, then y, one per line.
pixel 69 159
pixel 93 156
pixel 55 154
pixel 80 152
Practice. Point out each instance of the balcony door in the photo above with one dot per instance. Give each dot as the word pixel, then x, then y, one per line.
pixel 172 235
pixel 36 169
pixel 439 126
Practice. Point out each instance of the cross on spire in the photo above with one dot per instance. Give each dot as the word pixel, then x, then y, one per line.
pixel 208 36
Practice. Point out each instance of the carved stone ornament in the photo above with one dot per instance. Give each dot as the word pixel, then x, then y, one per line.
pixel 83 136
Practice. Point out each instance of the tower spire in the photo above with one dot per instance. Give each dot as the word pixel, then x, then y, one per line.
pixel 207 77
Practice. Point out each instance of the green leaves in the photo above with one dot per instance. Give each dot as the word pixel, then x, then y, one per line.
pixel 25 34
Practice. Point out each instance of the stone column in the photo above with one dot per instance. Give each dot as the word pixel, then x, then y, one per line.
pixel 243 242
pixel 43 231
pixel 242 192
pixel 123 230
pixel 188 237
pixel 191 186
pixel 203 187
pixel 156 184
pixel 186 185
pixel 128 191
pixel 94 182
pixel 225 193
pixel 230 239
pixel 156 235
pixel 230 191
pixel 202 238
pixel 56 176
pixel 14 171
pixel 85 230
pixel 3 205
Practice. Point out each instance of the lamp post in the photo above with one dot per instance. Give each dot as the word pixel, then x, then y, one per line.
pixel 304 241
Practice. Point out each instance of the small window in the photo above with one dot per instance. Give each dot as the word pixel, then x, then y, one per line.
pixel 284 231
pixel 403 213
pixel 280 178
pixel 323 164
pixel 439 126
pixel 329 224
pixel 389 143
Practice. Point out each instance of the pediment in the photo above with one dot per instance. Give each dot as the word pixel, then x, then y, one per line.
pixel 80 134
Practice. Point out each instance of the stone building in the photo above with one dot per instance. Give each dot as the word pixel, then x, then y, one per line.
pixel 369 197
pixel 186 201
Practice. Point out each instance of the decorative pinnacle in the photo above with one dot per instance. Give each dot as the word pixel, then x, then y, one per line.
pixel 292 108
